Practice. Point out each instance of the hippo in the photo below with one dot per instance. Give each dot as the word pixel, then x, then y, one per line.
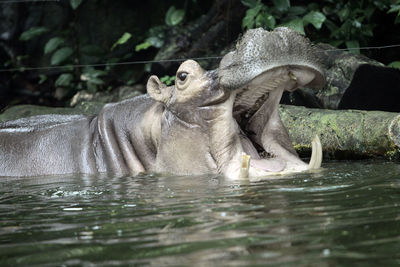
pixel 223 121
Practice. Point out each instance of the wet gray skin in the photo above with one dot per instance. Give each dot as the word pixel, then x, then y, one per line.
pixel 188 128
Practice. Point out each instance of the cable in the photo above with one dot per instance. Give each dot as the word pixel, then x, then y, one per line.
pixel 107 64
pixel 171 60
pixel 26 1
pixel 363 48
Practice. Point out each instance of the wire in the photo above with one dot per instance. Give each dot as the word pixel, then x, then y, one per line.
pixel 107 64
pixel 26 1
pixel 363 48
pixel 169 60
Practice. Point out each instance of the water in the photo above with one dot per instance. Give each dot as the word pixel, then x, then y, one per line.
pixel 346 215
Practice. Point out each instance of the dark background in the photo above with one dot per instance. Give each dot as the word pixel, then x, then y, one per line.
pixel 159 30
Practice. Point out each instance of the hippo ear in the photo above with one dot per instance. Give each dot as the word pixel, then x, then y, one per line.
pixel 157 90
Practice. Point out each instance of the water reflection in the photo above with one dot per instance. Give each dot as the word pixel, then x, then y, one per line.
pixel 348 213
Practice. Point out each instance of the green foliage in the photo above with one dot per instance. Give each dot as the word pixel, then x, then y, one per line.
pixel 92 78
pixel 92 50
pixel 61 55
pixel 395 64
pixel 257 15
pixel 142 46
pixel 75 3
pixel 282 5
pixel 348 23
pixel 124 38
pixel 156 35
pixel 395 8
pixel 53 44
pixel 353 46
pixel 174 16
pixel 168 80
pixel 43 78
pixel 65 50
pixel 64 80
pixel 295 24
pixel 32 33
pixel 316 18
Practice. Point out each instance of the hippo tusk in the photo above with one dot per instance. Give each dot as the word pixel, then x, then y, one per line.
pixel 316 154
pixel 244 167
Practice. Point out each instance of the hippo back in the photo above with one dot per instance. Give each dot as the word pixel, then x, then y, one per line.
pixel 45 144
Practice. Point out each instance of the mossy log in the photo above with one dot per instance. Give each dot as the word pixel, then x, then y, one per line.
pixel 345 134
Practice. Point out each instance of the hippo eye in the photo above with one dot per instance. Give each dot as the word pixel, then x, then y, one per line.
pixel 182 76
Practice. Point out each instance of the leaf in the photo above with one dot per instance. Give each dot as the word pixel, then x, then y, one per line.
pixel 297 10
pixel 168 80
pixel 92 50
pixel 169 14
pixel 96 81
pixel 269 21
pixel 394 8
pixel 395 64
pixel 75 3
pixel 295 24
pixel 259 21
pixel 344 13
pixel 336 43
pixel 315 18
pixel 355 23
pixel 155 41
pixel 174 16
pixel 43 78
pixel 250 19
pixel 90 72
pixel 64 80
pixel 142 46
pixel 122 40
pixel 265 20
pixel 32 32
pixel 53 44
pixel 250 3
pixel 61 55
pixel 282 5
pixel 353 46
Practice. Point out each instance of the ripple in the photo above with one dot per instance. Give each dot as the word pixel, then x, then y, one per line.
pixel 347 214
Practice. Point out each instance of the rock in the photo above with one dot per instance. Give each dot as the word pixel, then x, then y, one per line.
pixel 22 111
pixel 373 88
pixel 340 70
pixel 118 94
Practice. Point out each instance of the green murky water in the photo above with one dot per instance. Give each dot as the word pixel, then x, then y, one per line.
pixel 346 215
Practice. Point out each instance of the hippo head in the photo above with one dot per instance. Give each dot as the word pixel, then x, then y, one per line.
pixel 195 96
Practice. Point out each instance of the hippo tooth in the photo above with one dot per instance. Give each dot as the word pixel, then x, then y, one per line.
pixel 316 154
pixel 244 167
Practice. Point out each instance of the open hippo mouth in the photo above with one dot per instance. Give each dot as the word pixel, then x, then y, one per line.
pixel 264 62
pixel 263 66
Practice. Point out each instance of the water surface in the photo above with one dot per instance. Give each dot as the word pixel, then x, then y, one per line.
pixel 345 215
